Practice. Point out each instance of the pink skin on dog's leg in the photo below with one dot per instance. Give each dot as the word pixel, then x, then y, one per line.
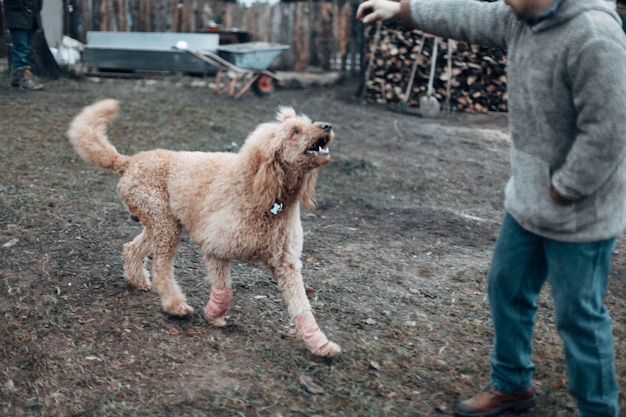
pixel 217 306
pixel 311 333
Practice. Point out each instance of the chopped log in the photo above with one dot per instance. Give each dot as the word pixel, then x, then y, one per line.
pixel 477 74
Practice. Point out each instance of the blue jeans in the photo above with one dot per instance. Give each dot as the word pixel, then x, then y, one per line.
pixel 22 40
pixel 578 275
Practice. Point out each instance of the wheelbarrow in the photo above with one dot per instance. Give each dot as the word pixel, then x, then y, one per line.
pixel 241 66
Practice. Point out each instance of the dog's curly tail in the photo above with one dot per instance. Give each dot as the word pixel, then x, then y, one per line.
pixel 87 133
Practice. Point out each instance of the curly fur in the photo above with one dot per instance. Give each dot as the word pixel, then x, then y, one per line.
pixel 224 202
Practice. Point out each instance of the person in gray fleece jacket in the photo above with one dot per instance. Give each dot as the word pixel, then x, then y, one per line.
pixel 565 202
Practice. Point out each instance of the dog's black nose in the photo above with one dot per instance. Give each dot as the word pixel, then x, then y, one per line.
pixel 326 127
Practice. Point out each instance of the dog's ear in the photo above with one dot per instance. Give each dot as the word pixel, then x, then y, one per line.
pixel 307 192
pixel 285 113
pixel 260 152
pixel 268 181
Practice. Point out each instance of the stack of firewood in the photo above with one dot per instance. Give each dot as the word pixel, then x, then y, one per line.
pixel 473 80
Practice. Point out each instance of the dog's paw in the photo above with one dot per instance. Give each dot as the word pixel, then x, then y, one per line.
pixel 143 285
pixel 329 350
pixel 216 308
pixel 178 309
pixel 137 277
pixel 216 321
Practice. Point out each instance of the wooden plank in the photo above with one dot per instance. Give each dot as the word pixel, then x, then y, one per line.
pixel 173 6
pixel 102 13
pixel 322 35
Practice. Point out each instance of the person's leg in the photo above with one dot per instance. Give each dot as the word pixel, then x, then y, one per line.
pixel 21 75
pixel 22 41
pixel 517 273
pixel 579 278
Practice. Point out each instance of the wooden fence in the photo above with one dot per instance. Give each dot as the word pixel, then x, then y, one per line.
pixel 321 34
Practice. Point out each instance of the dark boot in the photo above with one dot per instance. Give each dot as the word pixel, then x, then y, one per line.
pixel 23 78
pixel 492 403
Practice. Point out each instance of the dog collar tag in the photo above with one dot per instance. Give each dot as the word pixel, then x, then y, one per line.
pixel 276 208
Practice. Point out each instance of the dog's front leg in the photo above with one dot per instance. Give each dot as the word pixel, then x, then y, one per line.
pixel 290 283
pixel 221 291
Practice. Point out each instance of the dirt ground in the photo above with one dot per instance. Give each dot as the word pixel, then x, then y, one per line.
pixel 396 254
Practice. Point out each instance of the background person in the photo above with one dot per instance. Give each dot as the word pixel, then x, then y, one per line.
pixel 565 201
pixel 22 19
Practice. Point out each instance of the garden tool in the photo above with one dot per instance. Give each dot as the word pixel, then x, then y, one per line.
pixel 429 105
pixel 407 94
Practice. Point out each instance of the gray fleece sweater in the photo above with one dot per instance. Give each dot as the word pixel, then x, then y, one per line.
pixel 566 80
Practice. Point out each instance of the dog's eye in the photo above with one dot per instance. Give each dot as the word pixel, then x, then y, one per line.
pixel 295 132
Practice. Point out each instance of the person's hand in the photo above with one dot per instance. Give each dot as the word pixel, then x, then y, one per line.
pixel 372 11
pixel 559 198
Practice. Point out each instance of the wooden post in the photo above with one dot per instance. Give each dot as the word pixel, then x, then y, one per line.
pixel 324 35
pixel 192 12
pixel 86 11
pixel 297 38
pixel 103 15
pixel 184 16
pixel 174 16
pixel 301 37
pixel 117 16
pixel 125 13
pixel 228 15
pixel 343 34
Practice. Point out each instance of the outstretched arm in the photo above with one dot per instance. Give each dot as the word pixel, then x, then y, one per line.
pixel 372 11
pixel 485 23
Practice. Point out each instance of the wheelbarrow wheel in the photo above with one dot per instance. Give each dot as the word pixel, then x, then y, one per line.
pixel 264 85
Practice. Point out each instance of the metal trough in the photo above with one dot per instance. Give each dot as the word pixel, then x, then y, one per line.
pixel 128 51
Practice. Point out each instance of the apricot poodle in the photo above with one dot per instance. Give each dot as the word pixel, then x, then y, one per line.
pixel 243 205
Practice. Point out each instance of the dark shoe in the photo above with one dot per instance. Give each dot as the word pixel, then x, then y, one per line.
pixel 492 403
pixel 23 78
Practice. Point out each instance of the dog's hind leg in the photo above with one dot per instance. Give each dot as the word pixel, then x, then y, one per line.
pixel 165 235
pixel 221 291
pixel 290 283
pixel 134 255
pixel 150 204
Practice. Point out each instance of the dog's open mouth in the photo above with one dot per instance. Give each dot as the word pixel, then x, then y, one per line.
pixel 319 148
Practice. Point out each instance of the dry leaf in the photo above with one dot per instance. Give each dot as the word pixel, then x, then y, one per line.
pixel 558 384
pixel 290 335
pixel 442 408
pixel 192 333
pixel 10 243
pixel 309 386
